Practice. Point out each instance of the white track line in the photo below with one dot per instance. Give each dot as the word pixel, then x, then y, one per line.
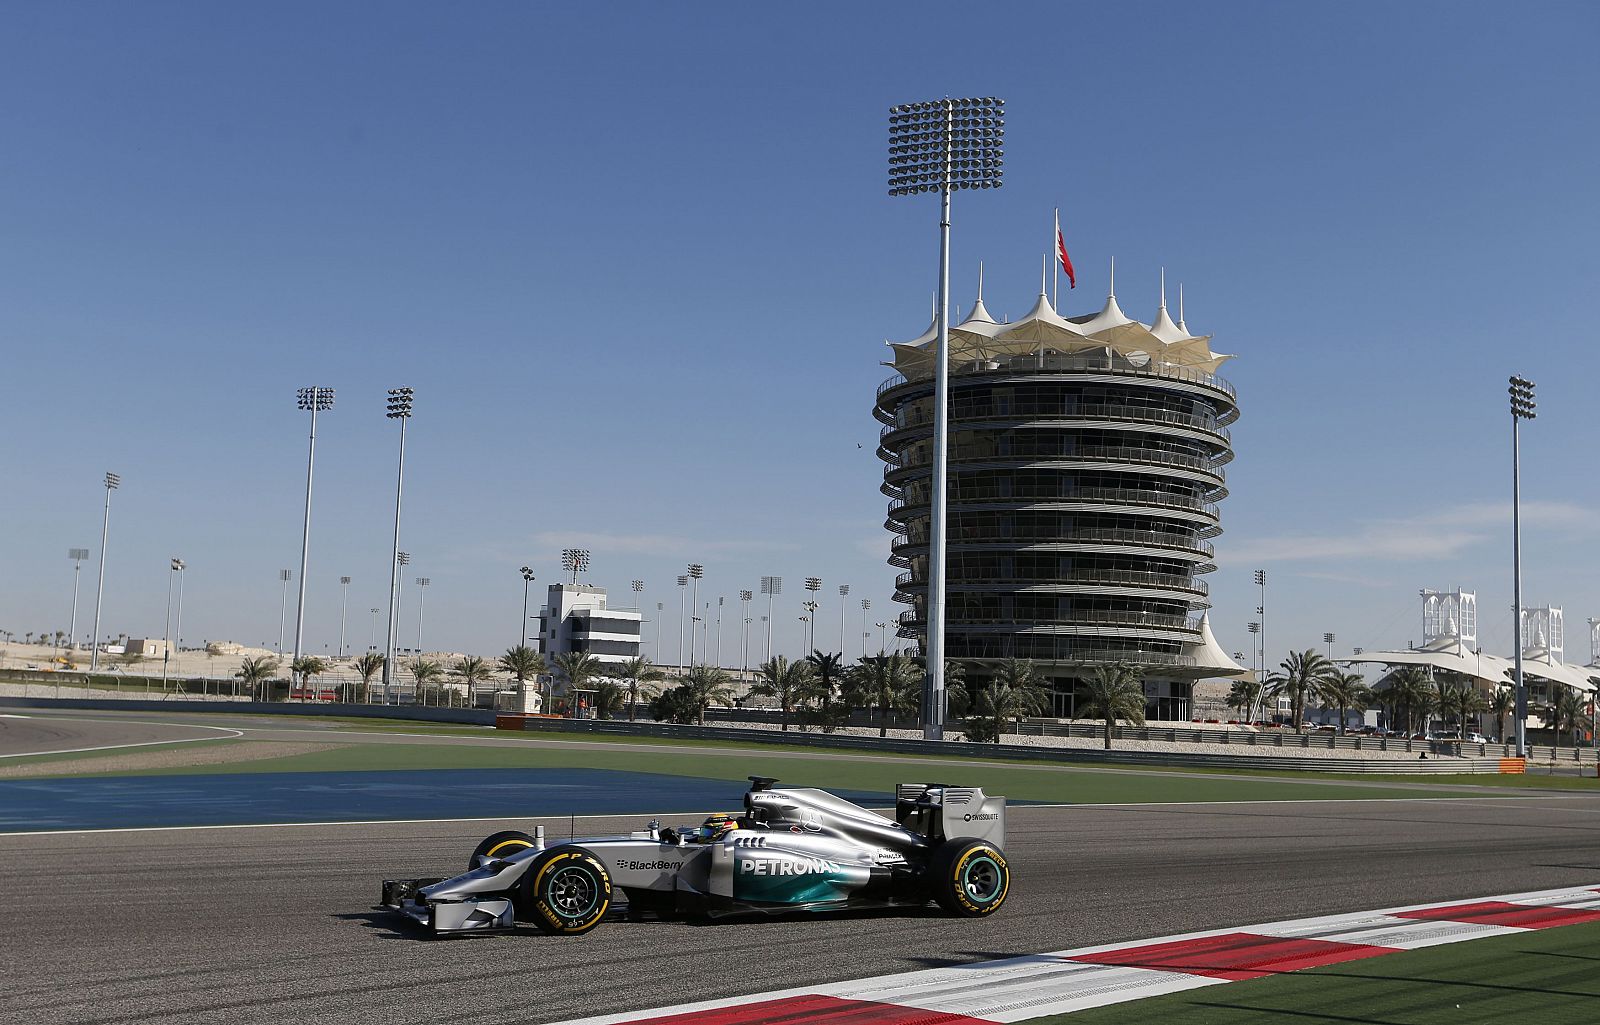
pixel 230 734
pixel 1023 988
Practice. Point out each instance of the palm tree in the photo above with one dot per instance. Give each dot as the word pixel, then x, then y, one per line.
pixel 424 671
pixel 368 665
pixel 609 697
pixel 522 662
pixel 1242 696
pixel 827 674
pixel 472 671
pixel 579 668
pixel 957 699
pixel 1113 692
pixel 1472 706
pixel 1564 711
pixel 305 667
pixel 639 673
pixel 888 683
pixel 785 682
pixel 707 684
pixel 1502 702
pixel 1343 690
pixel 255 672
pixel 1303 672
pixel 1013 691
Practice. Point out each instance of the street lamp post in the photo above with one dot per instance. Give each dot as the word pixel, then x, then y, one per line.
pixel 814 585
pixel 770 586
pixel 112 483
pixel 166 648
pixel 660 608
pixel 527 579
pixel 720 601
pixel 844 592
pixel 683 584
pixel 883 637
pixel 284 576
pixel 344 605
pixel 696 572
pixel 422 600
pixel 399 408
pixel 943 146
pixel 1522 408
pixel 77 555
pixel 744 631
pixel 1256 666
pixel 314 400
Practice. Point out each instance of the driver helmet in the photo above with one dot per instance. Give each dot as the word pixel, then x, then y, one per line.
pixel 715 827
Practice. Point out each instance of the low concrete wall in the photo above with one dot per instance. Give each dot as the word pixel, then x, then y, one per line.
pixel 413 713
pixel 1014 751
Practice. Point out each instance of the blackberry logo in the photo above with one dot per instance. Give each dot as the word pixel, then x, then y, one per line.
pixel 646 866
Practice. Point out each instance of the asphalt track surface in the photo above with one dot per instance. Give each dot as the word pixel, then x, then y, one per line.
pixel 274 924
pixel 34 734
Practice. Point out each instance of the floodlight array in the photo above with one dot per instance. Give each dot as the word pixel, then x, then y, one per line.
pixel 1522 404
pixel 319 399
pixel 954 144
pixel 696 570
pixel 113 481
pixel 771 585
pixel 399 404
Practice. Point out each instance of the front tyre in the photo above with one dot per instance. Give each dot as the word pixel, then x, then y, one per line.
pixel 969 878
pixel 499 845
pixel 569 891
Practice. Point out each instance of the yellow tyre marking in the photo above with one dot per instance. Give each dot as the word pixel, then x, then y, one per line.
pixel 555 919
pixel 1005 879
pixel 503 844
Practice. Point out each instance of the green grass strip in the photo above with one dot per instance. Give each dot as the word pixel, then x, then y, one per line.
pixel 1045 783
pixel 1548 976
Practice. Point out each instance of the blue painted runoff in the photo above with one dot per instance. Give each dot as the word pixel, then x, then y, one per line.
pixel 274 797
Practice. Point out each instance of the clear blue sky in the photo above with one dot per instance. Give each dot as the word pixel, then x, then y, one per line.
pixel 639 264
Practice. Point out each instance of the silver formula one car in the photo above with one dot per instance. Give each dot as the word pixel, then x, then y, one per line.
pixel 792 849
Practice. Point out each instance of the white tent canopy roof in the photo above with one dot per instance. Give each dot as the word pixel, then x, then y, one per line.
pixel 980 337
pixel 1492 670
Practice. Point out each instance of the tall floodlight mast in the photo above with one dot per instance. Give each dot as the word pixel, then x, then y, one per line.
pixel 696 573
pixel 1522 408
pixel 113 482
pixel 770 586
pixel 399 409
pixel 522 631
pixel 344 606
pixel 313 400
pixel 77 555
pixel 942 146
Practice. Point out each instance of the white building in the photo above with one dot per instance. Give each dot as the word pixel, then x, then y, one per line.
pixel 575 618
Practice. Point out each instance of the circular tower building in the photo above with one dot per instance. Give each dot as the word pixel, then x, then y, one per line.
pixel 1086 461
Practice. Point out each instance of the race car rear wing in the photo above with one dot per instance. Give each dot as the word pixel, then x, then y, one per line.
pixel 944 812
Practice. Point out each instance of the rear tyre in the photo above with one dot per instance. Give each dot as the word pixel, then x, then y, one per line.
pixel 969 878
pixel 568 891
pixel 499 845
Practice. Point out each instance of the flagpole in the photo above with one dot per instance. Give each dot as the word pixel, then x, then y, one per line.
pixel 1055 283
